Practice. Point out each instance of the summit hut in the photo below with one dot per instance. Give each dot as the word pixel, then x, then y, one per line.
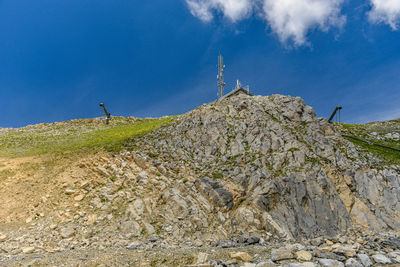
pixel 239 89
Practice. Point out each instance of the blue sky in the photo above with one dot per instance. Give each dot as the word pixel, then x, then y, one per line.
pixel 59 59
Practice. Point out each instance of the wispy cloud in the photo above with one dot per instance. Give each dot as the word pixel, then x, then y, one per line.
pixel 385 11
pixel 291 20
pixel 234 10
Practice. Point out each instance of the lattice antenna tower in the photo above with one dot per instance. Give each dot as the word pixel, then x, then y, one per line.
pixel 220 76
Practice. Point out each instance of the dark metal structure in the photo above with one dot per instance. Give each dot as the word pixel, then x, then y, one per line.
pixel 334 113
pixel 108 115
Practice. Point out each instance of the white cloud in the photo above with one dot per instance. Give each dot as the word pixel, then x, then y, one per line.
pixel 289 19
pixel 234 10
pixel 385 11
pixel 293 19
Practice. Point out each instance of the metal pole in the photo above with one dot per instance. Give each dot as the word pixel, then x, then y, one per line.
pixel 108 115
pixel 220 76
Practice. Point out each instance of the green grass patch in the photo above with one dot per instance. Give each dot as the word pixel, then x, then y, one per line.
pixel 388 156
pixel 217 175
pixel 364 131
pixel 7 173
pixel 70 138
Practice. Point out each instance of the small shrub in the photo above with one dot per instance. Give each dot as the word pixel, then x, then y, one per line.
pixel 217 175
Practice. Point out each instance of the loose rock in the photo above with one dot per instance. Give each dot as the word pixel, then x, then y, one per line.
pixel 303 255
pixel 330 263
pixel 240 256
pixel 381 259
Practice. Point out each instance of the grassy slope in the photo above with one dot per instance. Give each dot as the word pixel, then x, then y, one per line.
pixel 92 135
pixel 89 135
pixel 364 131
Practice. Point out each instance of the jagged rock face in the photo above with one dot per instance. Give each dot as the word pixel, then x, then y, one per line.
pixel 215 192
pixel 276 167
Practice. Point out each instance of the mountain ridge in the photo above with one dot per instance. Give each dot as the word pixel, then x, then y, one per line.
pixel 245 168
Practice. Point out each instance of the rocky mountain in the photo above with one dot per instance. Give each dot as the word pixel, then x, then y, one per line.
pixel 247 170
pixel 268 164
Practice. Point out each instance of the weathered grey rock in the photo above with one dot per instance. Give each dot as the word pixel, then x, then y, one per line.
pixel 134 245
pixel 329 255
pixel 213 264
pixel 281 254
pixel 142 177
pixel 149 228
pixel 353 263
pixel 309 264
pixel 365 260
pixel 330 263
pixel 292 265
pixel 254 143
pixel 265 264
pixel 394 256
pixel 130 226
pixel 303 255
pixel 212 189
pixel 391 242
pixel 225 244
pixel 139 206
pixel 153 239
pixel 202 258
pixel 67 232
pixel 248 240
pixel 381 259
pixel 156 162
pixel 345 250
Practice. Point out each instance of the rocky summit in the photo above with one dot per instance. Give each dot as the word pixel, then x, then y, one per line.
pixel 246 181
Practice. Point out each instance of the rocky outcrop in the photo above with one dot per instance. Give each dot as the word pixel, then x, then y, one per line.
pixel 288 170
pixel 218 195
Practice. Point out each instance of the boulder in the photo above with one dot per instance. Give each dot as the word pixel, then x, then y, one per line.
pixel 381 259
pixel 303 255
pixel 241 256
pixel 353 263
pixel 282 254
pixel 365 260
pixel 67 232
pixel 330 263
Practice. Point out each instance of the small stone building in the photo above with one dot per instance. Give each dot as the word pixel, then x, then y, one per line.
pixel 238 90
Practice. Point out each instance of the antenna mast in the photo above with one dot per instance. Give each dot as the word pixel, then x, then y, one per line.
pixel 220 76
